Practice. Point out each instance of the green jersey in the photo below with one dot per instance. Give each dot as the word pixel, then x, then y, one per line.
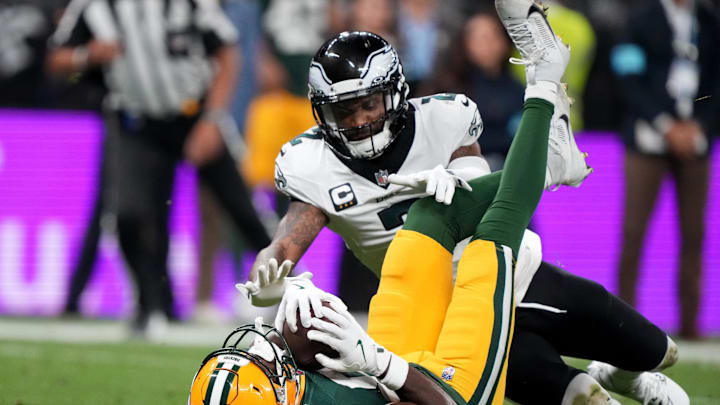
pixel 322 390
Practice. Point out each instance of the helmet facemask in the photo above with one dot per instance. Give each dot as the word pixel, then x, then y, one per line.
pixel 359 121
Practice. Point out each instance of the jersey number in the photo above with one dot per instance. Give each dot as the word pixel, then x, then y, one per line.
pixel 442 97
pixel 392 217
pixel 310 135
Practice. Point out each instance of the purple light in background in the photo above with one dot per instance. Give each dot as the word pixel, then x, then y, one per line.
pixel 581 232
pixel 48 181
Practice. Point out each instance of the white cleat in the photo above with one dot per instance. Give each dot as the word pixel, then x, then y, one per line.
pixel 566 163
pixel 543 53
pixel 647 387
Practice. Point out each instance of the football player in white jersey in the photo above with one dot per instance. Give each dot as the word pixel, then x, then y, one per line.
pixel 339 174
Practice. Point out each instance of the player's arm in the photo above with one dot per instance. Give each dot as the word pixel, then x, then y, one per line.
pixel 71 59
pixel 465 163
pixel 421 390
pixel 296 231
pixel 358 353
pixel 468 162
pixel 75 48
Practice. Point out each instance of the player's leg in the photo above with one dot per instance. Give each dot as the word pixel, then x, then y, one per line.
pixel 484 286
pixel 691 180
pixel 643 178
pixel 472 354
pixel 144 176
pixel 483 289
pixel 582 319
pixel 538 375
pixel 409 308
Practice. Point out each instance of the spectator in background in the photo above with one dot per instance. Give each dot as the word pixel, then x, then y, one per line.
pixel 667 68
pixel 479 68
pixel 165 103
pixel 423 28
pixel 377 16
pixel 573 28
pixel 602 108
pixel 274 117
pixel 24 29
pixel 295 29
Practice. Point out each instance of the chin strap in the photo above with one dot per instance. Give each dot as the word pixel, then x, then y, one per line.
pixel 371 146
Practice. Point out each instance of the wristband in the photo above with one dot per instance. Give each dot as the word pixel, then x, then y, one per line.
pixel 397 371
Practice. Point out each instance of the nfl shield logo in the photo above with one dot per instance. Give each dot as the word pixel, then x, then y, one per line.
pixel 448 373
pixel 381 177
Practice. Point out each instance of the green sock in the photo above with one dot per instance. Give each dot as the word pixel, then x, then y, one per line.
pixel 522 180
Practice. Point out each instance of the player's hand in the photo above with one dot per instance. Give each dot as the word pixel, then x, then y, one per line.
pixel 204 143
pixel 269 285
pixel 264 348
pixel 682 140
pixel 101 53
pixel 301 293
pixel 439 182
pixel 358 353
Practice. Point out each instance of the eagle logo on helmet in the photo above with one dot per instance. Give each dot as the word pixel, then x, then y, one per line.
pixel 265 374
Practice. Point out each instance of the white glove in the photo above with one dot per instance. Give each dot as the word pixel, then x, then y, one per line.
pixel 358 353
pixel 303 294
pixel 271 282
pixel 262 347
pixel 439 182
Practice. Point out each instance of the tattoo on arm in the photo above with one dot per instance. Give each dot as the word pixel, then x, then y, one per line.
pixel 302 223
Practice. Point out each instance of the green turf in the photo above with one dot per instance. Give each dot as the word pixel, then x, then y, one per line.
pixel 134 373
pixel 107 374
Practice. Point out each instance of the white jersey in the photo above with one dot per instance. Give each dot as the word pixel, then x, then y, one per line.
pixel 362 207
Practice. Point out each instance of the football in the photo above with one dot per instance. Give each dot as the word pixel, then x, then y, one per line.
pixel 304 349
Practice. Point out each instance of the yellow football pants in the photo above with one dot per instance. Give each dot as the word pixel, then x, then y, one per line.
pixel 473 339
pixel 409 308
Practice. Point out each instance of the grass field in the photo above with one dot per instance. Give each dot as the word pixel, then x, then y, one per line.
pixel 50 373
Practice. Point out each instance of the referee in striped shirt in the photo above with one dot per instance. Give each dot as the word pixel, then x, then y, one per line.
pixel 170 68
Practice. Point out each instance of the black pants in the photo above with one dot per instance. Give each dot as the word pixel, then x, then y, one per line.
pixel 143 169
pixel 88 253
pixel 563 314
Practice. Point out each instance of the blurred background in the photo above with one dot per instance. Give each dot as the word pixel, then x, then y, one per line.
pixel 646 223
